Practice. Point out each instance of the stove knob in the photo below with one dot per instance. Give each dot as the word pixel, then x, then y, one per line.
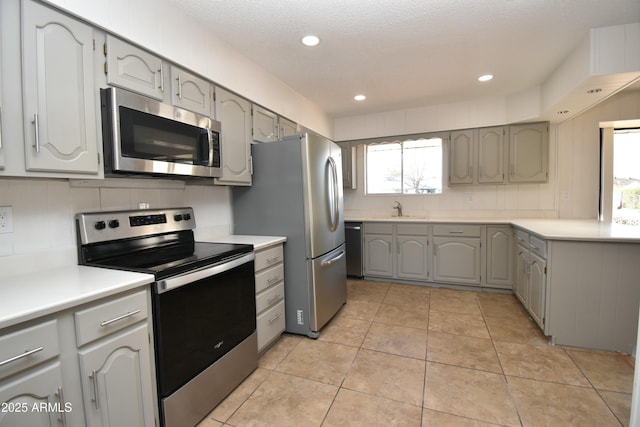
pixel 100 225
pixel 114 223
pixel 177 217
pixel 187 217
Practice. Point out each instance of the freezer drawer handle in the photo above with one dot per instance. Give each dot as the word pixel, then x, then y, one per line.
pixel 332 260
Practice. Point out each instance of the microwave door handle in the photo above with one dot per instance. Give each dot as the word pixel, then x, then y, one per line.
pixel 210 140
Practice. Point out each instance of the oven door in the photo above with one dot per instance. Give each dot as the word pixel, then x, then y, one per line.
pixel 199 317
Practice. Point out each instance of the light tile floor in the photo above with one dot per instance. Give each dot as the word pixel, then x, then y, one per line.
pixel 401 355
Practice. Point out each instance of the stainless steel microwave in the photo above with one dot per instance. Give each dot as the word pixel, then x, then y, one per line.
pixel 145 136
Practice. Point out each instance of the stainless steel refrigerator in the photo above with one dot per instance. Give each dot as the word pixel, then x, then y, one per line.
pixel 297 193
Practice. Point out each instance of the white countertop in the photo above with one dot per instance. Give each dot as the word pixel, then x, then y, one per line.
pixel 550 229
pixel 31 295
pixel 258 242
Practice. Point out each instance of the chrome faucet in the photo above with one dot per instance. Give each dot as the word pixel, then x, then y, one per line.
pixel 398 207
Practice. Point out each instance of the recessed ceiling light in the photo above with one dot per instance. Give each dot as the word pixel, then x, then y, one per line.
pixel 310 40
pixel 359 97
pixel 485 78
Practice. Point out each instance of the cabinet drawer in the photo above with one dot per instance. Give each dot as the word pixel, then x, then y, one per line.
pixel 378 228
pixel 538 246
pixel 269 297
pixel 412 229
pixel 269 277
pixel 456 230
pixel 109 317
pixel 28 347
pixel 270 324
pixel 522 238
pixel 269 257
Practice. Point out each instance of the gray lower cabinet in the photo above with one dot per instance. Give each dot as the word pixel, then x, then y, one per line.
pixel 531 275
pixel 270 320
pixel 412 242
pixel 378 250
pixel 116 379
pixel 90 366
pixel 456 254
pixel 499 257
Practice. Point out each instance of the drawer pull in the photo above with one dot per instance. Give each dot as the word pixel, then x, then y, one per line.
pixel 20 356
pixel 274 318
pixel 273 299
pixel 533 246
pixel 274 279
pixel 115 319
pixel 273 259
pixel 456 232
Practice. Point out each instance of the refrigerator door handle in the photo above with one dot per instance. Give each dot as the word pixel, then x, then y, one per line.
pixel 333 196
pixel 332 260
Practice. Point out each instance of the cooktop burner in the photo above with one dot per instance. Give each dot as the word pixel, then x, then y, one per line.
pixel 158 242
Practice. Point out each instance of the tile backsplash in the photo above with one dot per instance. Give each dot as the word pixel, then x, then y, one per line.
pixel 43 209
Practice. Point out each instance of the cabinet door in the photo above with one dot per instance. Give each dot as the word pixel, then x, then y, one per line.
pixel 537 288
pixel 35 388
pixel 461 157
pixel 413 257
pixel 491 155
pixel 456 260
pixel 500 257
pixel 287 127
pixel 59 93
pixel 528 152
pixel 116 380
pixel 378 255
pixel 190 92
pixel 265 125
pixel 522 275
pixel 1 117
pixel 135 69
pixel 235 114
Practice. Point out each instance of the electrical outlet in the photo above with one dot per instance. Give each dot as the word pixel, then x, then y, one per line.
pixel 468 197
pixel 6 219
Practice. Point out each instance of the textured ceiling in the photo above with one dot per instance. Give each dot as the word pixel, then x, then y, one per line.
pixel 407 53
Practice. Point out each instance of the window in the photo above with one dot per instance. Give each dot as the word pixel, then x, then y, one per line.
pixel 411 166
pixel 620 176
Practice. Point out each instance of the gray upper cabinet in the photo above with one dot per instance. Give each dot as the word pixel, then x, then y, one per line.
pixel 349 167
pixel 287 127
pixel 529 152
pixel 135 69
pixel 462 156
pixel 1 146
pixel 59 96
pixel 265 124
pixel 491 155
pixel 234 112
pixel 190 92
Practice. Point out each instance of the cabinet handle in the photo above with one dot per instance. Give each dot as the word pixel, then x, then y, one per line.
pixel 94 380
pixel 456 232
pixel 124 316
pixel 20 356
pixel 273 259
pixel 273 299
pixel 274 279
pixel 533 246
pixel 63 412
pixel 274 318
pixel 161 78
pixel 179 87
pixel 36 132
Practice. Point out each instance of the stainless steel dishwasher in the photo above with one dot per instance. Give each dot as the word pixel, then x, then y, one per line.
pixel 353 238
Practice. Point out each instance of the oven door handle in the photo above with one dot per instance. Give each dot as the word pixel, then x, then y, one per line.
pixel 193 276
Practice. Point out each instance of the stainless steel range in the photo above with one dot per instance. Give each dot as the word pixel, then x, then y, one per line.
pixel 203 298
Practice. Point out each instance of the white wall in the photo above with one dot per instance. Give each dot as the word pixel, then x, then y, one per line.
pixel 571 192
